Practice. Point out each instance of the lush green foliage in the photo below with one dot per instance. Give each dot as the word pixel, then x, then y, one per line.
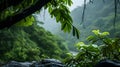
pixel 34 43
pixel 30 43
pixel 90 54
pixel 110 47
pixel 16 45
pixel 60 11
pixel 98 15
pixel 57 9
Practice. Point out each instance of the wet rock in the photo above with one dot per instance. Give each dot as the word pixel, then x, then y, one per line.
pixel 49 63
pixel 42 63
pixel 108 63
pixel 13 64
pixel 17 64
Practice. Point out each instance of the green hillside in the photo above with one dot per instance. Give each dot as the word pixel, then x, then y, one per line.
pixel 30 44
pixel 98 15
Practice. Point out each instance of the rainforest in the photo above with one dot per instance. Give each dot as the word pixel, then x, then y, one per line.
pixel 33 30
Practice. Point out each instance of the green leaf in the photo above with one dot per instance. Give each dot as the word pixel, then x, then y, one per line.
pixel 50 9
pixel 77 33
pixel 74 31
pixel 69 54
pixel 96 32
pixel 63 26
pixel 70 2
pixel 58 17
pixel 105 33
pixel 89 38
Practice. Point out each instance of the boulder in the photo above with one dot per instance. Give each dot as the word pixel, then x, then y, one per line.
pixel 108 63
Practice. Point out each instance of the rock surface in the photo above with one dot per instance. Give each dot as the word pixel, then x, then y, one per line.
pixel 42 63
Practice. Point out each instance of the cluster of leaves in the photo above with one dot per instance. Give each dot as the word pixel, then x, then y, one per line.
pixel 90 54
pixel 21 13
pixel 110 47
pixel 30 43
pixel 98 15
pixel 98 36
pixel 15 9
pixel 33 43
pixel 60 11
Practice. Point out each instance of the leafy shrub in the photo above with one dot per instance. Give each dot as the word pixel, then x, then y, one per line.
pixel 89 55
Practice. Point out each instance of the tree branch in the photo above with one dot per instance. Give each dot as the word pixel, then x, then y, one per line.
pixel 9 21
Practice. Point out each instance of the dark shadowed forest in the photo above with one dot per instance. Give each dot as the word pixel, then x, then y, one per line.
pixel 33 30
